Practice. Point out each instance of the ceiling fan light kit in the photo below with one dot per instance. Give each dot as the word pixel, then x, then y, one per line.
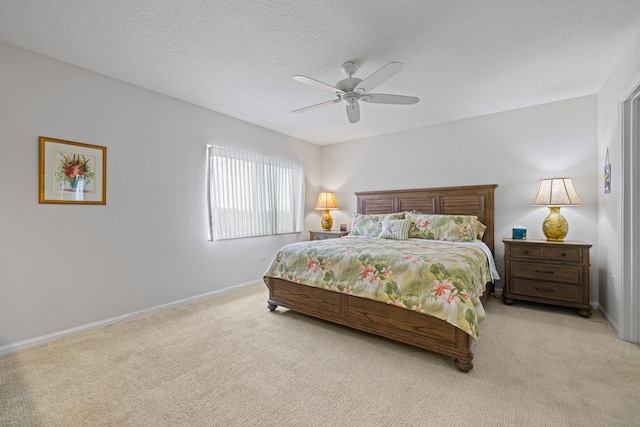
pixel 352 90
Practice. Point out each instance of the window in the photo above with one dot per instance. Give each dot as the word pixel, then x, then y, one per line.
pixel 253 195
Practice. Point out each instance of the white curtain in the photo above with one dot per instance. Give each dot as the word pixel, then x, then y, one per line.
pixel 253 195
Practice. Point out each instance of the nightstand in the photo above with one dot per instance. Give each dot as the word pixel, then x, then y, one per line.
pixel 324 234
pixel 547 272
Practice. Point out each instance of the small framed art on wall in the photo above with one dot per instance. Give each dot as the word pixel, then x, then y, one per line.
pixel 72 172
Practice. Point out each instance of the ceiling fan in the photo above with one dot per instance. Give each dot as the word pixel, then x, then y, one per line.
pixel 352 89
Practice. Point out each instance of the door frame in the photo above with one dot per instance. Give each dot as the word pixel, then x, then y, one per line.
pixel 629 231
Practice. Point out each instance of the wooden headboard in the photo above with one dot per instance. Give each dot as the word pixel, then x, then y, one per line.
pixel 468 200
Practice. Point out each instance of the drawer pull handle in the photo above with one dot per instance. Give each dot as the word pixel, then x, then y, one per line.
pixel 563 254
pixel 544 290
pixel 526 252
pixel 544 271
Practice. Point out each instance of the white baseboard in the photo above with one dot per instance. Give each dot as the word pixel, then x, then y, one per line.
pixel 32 342
pixel 614 325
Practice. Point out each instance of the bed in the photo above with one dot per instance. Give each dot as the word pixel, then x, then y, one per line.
pixel 387 319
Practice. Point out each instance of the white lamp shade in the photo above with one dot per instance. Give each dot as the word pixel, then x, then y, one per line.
pixel 327 200
pixel 556 192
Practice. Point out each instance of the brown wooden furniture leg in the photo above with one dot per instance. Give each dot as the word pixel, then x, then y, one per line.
pixel 464 363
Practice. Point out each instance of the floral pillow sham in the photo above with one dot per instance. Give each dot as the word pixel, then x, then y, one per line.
pixel 369 225
pixel 452 228
pixel 396 229
pixel 480 228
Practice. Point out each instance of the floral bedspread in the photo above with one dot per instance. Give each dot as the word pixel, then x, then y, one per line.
pixel 439 279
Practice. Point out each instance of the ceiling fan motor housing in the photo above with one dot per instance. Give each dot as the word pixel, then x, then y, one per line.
pixel 351 98
pixel 347 85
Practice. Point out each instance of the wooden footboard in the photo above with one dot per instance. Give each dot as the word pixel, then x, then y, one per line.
pixel 396 323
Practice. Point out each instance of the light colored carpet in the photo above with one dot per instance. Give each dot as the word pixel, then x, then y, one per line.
pixel 228 361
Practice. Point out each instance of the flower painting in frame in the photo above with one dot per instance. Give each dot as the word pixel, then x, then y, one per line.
pixel 72 172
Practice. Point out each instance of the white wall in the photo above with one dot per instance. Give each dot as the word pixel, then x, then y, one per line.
pixel 514 149
pixel 609 214
pixel 64 266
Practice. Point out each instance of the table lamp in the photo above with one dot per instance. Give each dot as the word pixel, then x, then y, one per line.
pixel 326 201
pixel 554 193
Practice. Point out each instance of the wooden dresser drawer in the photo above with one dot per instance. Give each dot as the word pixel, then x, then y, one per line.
pixel 547 272
pixel 564 255
pixel 527 252
pixel 552 291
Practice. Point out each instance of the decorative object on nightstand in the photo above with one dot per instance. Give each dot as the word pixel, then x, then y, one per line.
pixel 324 235
pixel 554 193
pixel 547 272
pixel 326 201
pixel 519 232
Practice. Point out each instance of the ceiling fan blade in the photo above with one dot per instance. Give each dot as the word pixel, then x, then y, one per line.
pixel 315 83
pixel 381 98
pixel 313 107
pixel 379 77
pixel 353 112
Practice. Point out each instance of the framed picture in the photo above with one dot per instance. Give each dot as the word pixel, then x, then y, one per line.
pixel 72 172
pixel 607 174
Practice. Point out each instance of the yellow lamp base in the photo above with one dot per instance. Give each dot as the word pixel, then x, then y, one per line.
pixel 326 222
pixel 555 226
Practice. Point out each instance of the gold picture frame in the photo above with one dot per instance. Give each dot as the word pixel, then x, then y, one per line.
pixel 72 172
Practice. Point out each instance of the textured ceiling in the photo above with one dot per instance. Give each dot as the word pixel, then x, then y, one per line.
pixel 462 58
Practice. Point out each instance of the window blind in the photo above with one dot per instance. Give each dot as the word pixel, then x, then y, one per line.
pixel 251 194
